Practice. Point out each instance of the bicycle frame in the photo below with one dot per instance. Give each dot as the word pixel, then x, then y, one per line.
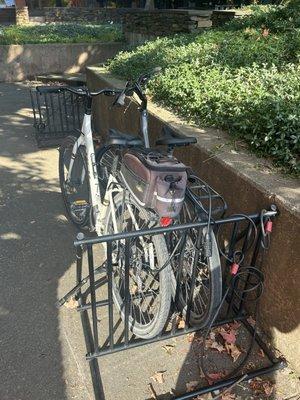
pixel 85 139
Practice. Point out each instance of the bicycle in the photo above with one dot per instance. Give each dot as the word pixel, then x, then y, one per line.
pixel 98 197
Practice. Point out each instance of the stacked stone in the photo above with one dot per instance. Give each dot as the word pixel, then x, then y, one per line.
pixel 22 16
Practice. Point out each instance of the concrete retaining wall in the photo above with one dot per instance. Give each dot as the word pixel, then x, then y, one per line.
pixel 247 186
pixel 19 62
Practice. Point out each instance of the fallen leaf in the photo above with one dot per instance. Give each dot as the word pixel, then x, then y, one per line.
pixel 191 337
pixel 168 348
pixel 229 337
pixel 233 351
pixel 213 377
pixel 180 322
pixel 72 303
pixel 268 388
pixel 158 376
pixel 152 391
pixel 191 386
pixel 251 321
pixel 217 346
pixel 228 396
pixel 261 353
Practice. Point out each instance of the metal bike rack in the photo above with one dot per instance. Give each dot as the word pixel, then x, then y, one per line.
pixel 239 229
pixel 56 115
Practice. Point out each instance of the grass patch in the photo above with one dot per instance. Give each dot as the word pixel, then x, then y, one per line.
pixel 60 33
pixel 244 78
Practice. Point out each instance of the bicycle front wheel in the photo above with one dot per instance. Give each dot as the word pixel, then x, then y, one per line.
pixel 75 189
pixel 149 270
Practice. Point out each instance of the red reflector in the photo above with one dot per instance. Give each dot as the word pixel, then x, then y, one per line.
pixel 234 268
pixel 165 221
pixel 269 226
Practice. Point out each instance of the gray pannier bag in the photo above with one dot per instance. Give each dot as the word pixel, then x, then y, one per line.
pixel 155 180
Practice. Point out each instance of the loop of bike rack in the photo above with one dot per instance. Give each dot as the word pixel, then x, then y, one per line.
pixel 241 238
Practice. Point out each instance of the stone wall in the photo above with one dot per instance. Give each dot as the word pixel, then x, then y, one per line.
pixel 220 17
pixel 246 189
pixel 19 62
pixel 87 14
pixel 22 16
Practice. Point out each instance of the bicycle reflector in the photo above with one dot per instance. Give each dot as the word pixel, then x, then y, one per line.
pixel 165 221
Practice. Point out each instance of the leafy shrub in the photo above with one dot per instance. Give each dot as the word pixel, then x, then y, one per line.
pixel 244 78
pixel 59 33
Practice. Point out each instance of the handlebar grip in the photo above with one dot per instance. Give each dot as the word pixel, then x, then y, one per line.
pixel 50 89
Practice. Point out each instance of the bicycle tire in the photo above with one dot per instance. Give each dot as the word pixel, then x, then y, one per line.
pixel 214 271
pixel 104 158
pixel 68 144
pixel 146 331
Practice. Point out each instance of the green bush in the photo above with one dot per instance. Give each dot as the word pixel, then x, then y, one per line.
pixel 59 33
pixel 244 78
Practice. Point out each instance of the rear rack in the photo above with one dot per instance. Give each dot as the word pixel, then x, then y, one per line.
pixel 206 197
pixel 56 115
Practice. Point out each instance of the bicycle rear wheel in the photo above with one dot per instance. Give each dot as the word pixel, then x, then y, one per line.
pixel 150 289
pixel 207 293
pixel 75 190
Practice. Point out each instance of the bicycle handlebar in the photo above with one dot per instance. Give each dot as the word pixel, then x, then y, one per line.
pixel 130 88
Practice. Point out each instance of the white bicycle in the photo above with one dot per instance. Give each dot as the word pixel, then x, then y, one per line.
pixel 97 197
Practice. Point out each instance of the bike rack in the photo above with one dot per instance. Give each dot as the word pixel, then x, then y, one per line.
pixel 239 228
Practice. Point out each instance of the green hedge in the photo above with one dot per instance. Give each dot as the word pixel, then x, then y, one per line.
pixel 244 78
pixel 59 33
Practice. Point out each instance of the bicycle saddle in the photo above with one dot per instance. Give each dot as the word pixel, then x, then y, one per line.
pixel 172 139
pixel 123 139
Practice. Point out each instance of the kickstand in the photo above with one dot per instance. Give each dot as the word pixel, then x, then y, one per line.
pixel 76 288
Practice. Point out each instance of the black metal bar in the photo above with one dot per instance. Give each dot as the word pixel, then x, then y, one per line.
pixel 53 113
pixel 60 112
pixel 110 295
pixel 193 280
pixel 47 111
pixel 88 306
pixel 228 382
pixel 164 336
pixel 93 296
pixel 172 228
pixel 127 292
pixel 66 112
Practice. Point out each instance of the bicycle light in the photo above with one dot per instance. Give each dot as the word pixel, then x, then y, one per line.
pixel 165 221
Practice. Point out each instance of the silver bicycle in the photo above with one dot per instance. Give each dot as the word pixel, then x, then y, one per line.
pixel 97 198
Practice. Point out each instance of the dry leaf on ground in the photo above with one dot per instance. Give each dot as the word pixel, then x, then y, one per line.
pixel 191 337
pixel 261 353
pixel 158 377
pixel 180 322
pixel 229 337
pixel 168 348
pixel 233 351
pixel 260 386
pixel 214 377
pixel 72 303
pixel 211 343
pixel 228 396
pixel 191 386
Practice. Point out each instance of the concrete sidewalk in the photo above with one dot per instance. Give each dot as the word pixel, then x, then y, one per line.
pixel 42 349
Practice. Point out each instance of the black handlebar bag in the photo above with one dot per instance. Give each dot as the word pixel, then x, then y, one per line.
pixel 155 180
